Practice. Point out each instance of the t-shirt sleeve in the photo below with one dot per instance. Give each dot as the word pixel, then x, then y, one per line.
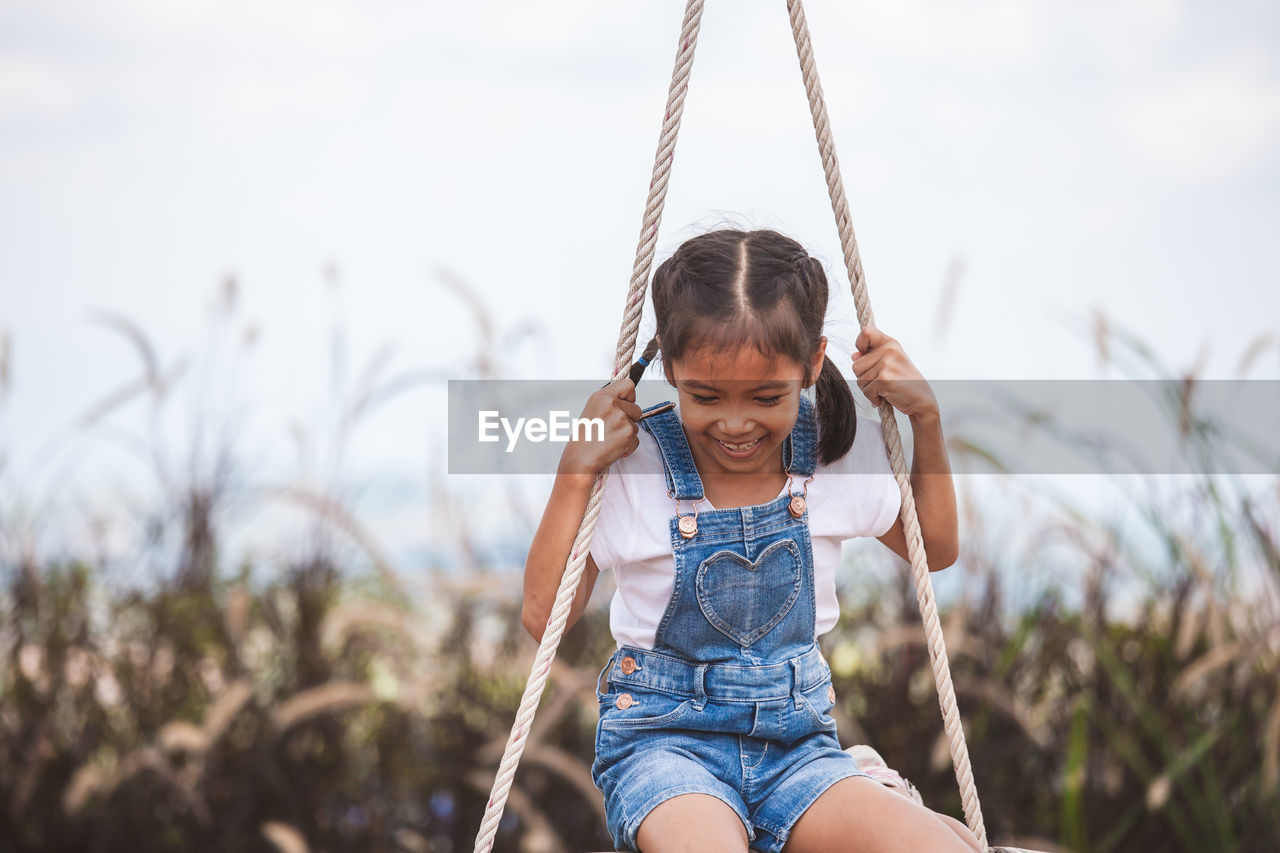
pixel 889 496
pixel 871 499
pixel 608 542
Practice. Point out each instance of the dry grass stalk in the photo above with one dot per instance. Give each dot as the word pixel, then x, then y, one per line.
pixel 572 688
pixel 1210 662
pixel 326 699
pixel 181 736
pixel 102 774
pixel 901 634
pixel 225 708
pixel 539 835
pixel 1271 749
pixel 352 616
pixel 334 513
pixel 1102 337
pixel 286 838
pixel 1158 792
pixel 1206 576
pixel 1256 347
pixel 100 780
pixel 236 615
pixel 940 755
pixel 1000 697
pixel 412 842
pixel 85 781
pixel 572 769
pixel 1189 631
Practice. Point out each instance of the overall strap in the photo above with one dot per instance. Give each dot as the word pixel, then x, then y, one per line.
pixel 683 481
pixel 800 449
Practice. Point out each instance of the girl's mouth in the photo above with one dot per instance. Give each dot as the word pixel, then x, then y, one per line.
pixel 741 450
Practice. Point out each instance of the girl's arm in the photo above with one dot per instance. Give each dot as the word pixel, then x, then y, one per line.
pixel 580 463
pixel 549 552
pixel 885 372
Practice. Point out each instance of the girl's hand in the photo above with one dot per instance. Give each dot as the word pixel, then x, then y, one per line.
pixel 885 373
pixel 615 405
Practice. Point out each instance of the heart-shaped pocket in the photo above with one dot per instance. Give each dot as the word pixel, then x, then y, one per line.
pixel 745 600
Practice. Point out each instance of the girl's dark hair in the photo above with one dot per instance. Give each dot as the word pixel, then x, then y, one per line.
pixel 726 287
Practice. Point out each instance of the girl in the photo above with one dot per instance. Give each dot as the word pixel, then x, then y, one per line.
pixel 723 521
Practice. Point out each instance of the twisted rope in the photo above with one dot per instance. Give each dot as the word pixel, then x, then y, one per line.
pixel 893 441
pixel 621 362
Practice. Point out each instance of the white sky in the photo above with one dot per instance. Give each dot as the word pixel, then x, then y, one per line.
pixel 1069 158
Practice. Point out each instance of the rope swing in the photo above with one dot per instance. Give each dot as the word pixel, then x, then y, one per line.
pixel 622 361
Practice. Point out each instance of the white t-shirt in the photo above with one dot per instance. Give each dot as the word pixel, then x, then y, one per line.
pixel 856 496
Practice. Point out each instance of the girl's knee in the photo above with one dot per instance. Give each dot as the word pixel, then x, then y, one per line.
pixel 692 822
pixel 858 814
pixel 966 835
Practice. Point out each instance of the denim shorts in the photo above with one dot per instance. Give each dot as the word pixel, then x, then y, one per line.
pixel 758 737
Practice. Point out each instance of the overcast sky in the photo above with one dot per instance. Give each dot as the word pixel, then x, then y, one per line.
pixel 1049 159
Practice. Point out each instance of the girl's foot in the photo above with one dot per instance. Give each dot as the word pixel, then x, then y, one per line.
pixel 871 763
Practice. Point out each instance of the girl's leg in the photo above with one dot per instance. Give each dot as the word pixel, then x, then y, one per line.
pixel 859 815
pixel 961 830
pixel 696 823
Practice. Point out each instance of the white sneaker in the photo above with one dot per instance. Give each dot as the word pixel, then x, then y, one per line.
pixel 871 763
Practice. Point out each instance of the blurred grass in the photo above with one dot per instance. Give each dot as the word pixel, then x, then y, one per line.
pixel 305 705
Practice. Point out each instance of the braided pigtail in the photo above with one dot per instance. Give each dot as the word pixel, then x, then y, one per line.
pixel 837 417
pixel 645 359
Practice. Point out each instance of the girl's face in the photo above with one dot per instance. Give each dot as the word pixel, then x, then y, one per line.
pixel 738 406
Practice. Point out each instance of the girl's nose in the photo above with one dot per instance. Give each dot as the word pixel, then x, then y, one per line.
pixel 736 424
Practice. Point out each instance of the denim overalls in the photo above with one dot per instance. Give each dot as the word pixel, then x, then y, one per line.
pixel 733 700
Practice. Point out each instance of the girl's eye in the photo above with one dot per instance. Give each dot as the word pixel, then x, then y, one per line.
pixel 769 401
pixel 703 399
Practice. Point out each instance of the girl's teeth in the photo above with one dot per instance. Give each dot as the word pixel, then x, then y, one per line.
pixel 740 446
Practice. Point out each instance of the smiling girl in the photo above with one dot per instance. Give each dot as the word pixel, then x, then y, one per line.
pixel 722 519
